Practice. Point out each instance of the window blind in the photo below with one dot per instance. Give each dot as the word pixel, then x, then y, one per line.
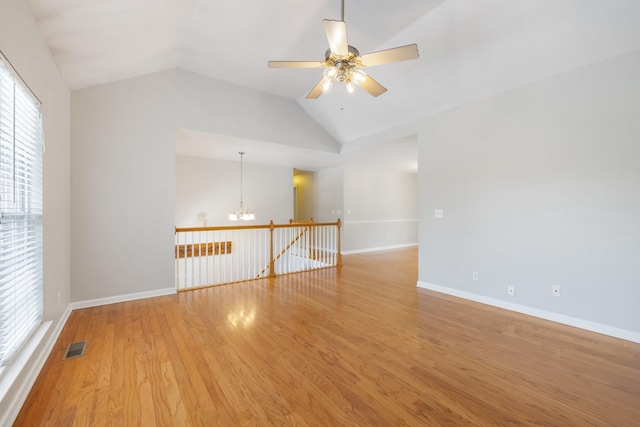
pixel 21 146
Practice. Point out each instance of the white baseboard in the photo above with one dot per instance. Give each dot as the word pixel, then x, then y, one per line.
pixel 121 298
pixel 37 348
pixel 543 314
pixel 382 248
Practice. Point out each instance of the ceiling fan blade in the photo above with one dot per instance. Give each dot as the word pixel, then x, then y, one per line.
pixel 387 56
pixel 295 64
pixel 373 87
pixel 316 91
pixel 336 32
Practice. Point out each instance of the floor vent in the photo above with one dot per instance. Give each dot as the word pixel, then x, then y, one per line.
pixel 75 349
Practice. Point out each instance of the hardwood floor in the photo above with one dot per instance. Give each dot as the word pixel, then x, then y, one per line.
pixel 356 346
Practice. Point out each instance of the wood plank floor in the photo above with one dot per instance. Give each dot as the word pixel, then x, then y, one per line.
pixel 356 346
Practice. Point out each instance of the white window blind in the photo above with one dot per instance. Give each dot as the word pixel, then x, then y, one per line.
pixel 20 213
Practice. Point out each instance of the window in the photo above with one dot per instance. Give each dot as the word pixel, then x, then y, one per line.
pixel 20 213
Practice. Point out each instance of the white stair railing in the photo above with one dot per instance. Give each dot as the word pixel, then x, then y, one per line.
pixel 208 256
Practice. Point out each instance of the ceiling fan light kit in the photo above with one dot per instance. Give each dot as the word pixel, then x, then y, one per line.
pixel 343 63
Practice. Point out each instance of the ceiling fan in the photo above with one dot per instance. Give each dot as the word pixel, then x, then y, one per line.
pixel 343 63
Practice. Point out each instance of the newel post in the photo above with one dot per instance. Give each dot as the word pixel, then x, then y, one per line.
pixel 272 268
pixel 339 259
pixel 312 250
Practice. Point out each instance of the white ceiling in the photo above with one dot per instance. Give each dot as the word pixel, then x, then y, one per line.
pixel 469 49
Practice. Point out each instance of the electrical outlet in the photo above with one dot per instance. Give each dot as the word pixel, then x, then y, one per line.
pixel 555 290
pixel 511 290
pixel 475 275
pixel 438 213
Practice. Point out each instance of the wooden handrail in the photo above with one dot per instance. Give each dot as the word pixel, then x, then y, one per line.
pixel 247 227
pixel 301 221
pixel 220 228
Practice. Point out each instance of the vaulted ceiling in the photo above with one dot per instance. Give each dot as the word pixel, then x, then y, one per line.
pixel 469 49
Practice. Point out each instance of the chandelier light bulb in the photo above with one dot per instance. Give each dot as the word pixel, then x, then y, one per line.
pixel 350 87
pixel 358 76
pixel 327 85
pixel 330 73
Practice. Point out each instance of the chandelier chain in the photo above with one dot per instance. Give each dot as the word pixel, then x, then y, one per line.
pixel 241 214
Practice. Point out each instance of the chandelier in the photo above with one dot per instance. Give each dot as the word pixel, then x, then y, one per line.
pixel 241 214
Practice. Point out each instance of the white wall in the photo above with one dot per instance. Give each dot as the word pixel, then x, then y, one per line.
pixel 540 186
pixel 306 200
pixel 123 169
pixel 22 44
pixel 381 209
pixel 320 195
pixel 213 187
pixel 329 188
